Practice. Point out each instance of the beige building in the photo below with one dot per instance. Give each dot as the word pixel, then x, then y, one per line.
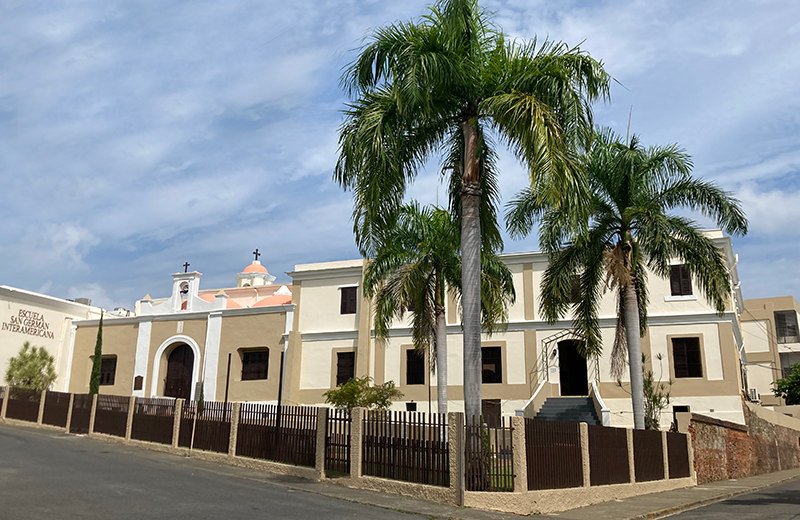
pixel 44 321
pixel 772 343
pixel 331 340
pixel 232 340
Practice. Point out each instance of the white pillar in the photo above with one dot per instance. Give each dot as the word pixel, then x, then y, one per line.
pixel 211 358
pixel 142 355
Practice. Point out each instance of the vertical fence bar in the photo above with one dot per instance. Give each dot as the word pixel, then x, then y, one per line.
pixel 41 407
pixel 665 454
pixel 176 422
pixel 92 414
pixel 585 461
pixel 4 405
pixel 129 423
pixel 69 412
pixel 235 413
pixel 631 457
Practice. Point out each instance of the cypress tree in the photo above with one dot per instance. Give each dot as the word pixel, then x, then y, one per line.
pixel 97 362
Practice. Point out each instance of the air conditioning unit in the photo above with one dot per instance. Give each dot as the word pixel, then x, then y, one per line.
pixel 754 395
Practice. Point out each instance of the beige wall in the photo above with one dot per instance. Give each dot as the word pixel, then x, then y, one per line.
pixel 322 311
pixel 241 333
pixel 118 340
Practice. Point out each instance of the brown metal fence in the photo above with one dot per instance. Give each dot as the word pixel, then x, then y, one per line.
pixel 56 409
pixel 553 452
pixel 648 455
pixel 608 456
pixel 187 424
pixel 212 430
pixel 81 413
pixel 111 415
pixel 23 404
pixel 153 420
pixel 489 457
pixel 677 455
pixel 406 446
pixel 337 442
pixel 2 395
pixel 278 433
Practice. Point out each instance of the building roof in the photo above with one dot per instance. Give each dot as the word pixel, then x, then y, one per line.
pixel 255 267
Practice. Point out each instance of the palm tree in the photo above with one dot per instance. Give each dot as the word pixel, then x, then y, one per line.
pixel 435 88
pixel 631 230
pixel 416 263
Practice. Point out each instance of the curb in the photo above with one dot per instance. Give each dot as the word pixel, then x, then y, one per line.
pixel 667 511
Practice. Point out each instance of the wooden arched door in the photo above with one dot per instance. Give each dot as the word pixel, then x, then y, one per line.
pixel 180 364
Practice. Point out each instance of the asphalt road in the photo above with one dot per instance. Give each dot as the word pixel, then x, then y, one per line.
pixel 47 475
pixel 781 502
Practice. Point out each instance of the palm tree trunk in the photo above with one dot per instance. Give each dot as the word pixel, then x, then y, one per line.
pixel 634 355
pixel 471 270
pixel 441 360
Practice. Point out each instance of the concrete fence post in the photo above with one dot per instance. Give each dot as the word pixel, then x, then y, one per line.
pixel 322 438
pixel 69 411
pixel 455 439
pixel 520 462
pixel 129 422
pixel 41 407
pixel 631 459
pixel 176 422
pixel 585 462
pixel 235 413
pixel 665 454
pixel 4 407
pixel 356 441
pixel 690 453
pixel 93 414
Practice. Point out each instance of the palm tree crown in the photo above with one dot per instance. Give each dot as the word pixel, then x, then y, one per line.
pixel 435 87
pixel 631 229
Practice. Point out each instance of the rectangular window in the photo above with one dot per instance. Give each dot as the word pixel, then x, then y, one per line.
pixel 415 367
pixel 786 325
pixel 255 364
pixel 686 357
pixel 680 281
pixel 108 370
pixel 345 367
pixel 492 362
pixel 349 300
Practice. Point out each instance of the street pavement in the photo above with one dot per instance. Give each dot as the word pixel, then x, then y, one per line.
pixel 47 475
pixel 781 502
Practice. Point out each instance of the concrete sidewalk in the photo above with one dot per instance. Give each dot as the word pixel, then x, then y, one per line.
pixel 655 505
pixel 658 505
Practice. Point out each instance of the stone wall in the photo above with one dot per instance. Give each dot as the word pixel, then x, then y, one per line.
pixel 725 450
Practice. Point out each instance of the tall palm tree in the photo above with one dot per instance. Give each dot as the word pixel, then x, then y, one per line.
pixel 435 88
pixel 631 230
pixel 416 263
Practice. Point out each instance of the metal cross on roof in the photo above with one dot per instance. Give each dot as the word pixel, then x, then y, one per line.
pixel 186 267
pixel 257 254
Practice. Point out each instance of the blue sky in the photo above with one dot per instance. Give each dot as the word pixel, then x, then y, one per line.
pixel 135 136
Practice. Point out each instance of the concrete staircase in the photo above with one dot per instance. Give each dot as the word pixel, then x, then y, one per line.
pixel 569 409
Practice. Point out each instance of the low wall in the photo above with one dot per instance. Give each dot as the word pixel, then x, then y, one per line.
pixel 554 500
pixel 723 450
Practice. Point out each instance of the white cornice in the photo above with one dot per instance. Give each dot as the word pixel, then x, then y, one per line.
pixel 320 274
pixel 185 316
pixel 49 301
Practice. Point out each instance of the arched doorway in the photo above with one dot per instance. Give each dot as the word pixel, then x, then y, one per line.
pixel 178 382
pixel 573 375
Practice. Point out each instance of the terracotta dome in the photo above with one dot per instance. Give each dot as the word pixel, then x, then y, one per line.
pixel 275 299
pixel 255 268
